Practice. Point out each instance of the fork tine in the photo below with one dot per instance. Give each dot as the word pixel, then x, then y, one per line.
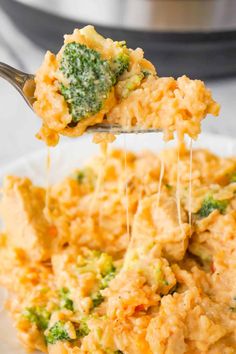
pixel 117 129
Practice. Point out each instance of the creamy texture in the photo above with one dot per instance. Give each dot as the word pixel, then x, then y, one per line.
pixel 173 289
pixel 144 101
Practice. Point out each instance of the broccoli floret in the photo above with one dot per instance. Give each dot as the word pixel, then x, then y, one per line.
pixel 96 262
pixel 118 352
pixel 134 82
pixel 209 204
pixel 106 280
pixel 83 329
pixel 146 73
pixel 86 175
pixel 165 282
pixel 80 177
pixel 106 264
pixel 66 302
pixel 38 315
pixel 233 309
pixel 233 178
pixel 131 84
pixel 57 332
pixel 88 79
pixel 120 64
pixel 97 299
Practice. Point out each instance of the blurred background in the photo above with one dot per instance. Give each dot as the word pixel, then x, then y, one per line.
pixel 193 37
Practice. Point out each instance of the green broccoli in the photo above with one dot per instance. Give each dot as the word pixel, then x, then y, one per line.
pixel 146 73
pixel 209 204
pixel 233 178
pixel 66 302
pixel 38 315
pixel 57 332
pixel 165 282
pixel 80 176
pixel 106 280
pixel 86 175
pixel 97 299
pixel 88 79
pixel 83 329
pixel 134 82
pixel 233 309
pixel 120 64
pixel 96 262
pixel 106 264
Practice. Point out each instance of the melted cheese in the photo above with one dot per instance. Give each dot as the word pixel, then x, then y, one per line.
pixel 178 201
pixel 126 188
pixel 47 196
pixel 95 197
pixel 190 182
pixel 162 171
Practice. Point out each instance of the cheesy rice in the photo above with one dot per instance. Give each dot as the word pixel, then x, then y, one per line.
pixel 80 282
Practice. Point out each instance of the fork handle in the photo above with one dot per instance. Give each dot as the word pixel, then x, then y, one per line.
pixel 20 80
pixel 15 77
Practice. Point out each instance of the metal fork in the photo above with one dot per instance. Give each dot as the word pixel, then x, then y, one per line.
pixel 25 85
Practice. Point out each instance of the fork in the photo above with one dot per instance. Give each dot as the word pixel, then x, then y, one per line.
pixel 25 85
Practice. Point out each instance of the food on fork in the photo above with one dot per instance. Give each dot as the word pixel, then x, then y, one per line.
pixel 166 287
pixel 95 80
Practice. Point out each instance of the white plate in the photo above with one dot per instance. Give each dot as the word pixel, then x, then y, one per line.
pixel 67 157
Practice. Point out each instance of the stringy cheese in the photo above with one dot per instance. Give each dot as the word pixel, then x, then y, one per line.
pixel 126 188
pixel 190 182
pixel 162 170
